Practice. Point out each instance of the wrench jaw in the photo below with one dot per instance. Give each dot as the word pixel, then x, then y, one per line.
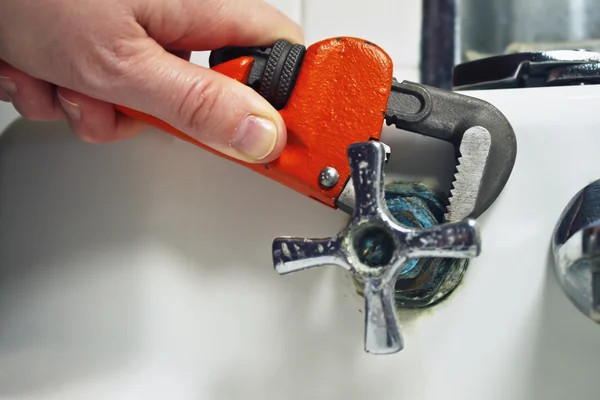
pixel 483 137
pixel 374 248
pixel 472 160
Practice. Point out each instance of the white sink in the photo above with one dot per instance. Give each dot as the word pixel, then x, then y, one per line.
pixel 142 270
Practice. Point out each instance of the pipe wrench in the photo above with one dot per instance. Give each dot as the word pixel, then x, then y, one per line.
pixel 334 96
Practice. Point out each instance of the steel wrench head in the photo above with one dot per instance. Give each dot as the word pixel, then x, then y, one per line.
pixel 484 140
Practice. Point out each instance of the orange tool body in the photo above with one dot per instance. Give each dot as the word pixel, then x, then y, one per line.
pixel 339 98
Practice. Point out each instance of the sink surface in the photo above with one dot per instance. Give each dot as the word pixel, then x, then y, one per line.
pixel 142 270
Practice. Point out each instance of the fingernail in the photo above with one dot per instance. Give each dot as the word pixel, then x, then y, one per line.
pixel 8 84
pixel 255 137
pixel 72 110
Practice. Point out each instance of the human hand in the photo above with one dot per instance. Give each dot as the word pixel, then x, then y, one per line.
pixel 64 59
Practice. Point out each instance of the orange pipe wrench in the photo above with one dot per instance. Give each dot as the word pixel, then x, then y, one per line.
pixel 337 92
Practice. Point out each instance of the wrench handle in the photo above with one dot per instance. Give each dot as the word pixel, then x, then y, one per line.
pixel 338 97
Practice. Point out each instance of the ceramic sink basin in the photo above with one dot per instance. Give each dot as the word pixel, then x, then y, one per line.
pixel 142 270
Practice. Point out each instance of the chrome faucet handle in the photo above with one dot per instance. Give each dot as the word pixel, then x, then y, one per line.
pixel 374 247
pixel 576 250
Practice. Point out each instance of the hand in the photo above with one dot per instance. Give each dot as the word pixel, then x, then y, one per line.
pixel 74 59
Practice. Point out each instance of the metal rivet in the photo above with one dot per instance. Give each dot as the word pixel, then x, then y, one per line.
pixel 329 177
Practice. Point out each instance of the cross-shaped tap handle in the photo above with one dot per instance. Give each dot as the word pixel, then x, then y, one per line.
pixel 374 247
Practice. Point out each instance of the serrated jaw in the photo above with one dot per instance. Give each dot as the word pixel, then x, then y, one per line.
pixel 473 155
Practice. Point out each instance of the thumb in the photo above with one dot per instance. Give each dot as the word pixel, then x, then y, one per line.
pixel 212 108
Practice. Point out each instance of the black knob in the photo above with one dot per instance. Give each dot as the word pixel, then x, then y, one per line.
pixel 274 71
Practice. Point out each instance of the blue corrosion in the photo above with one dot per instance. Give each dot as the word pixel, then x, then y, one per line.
pixel 416 206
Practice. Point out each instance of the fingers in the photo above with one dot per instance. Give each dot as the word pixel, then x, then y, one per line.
pixel 92 120
pixel 95 121
pixel 217 111
pixel 126 63
pixel 222 113
pixel 210 24
pixel 32 98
